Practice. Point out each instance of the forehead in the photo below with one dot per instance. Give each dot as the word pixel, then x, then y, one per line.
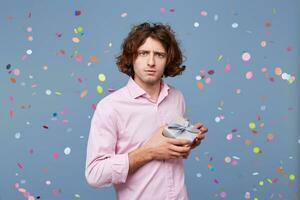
pixel 152 44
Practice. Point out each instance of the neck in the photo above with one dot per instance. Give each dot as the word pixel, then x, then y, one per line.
pixel 151 89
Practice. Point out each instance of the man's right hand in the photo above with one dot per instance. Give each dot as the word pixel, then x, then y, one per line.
pixel 164 148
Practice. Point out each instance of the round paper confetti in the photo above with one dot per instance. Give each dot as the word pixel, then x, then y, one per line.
pixel 234 25
pixel 29 29
pixel 263 43
pixel 199 175
pixel 48 182
pixel 67 150
pixel 200 85
pixel 198 78
pixel 99 89
pixel 75 40
pixel 48 92
pixel 204 13
pixel 93 58
pixel 18 135
pixel 30 38
pixel 16 72
pixel 227 68
pixel 216 17
pixel 249 75
pixel 256 150
pixel 223 194
pixel 292 177
pixel 101 77
pixel 196 24
pixel 124 15
pixel 246 56
pixel 77 196
pixel 261 183
pixel 217 119
pixel 227 159
pixel 252 125
pixel 56 155
pixel 29 51
pixel 278 71
pixel 270 136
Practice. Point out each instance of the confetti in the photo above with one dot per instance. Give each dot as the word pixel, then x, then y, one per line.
pixel 196 24
pixel 101 77
pixel 67 151
pixel 256 150
pixel 77 12
pixel 99 89
pixel 249 75
pixel 246 56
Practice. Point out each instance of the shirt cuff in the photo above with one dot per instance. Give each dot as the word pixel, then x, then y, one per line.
pixel 120 167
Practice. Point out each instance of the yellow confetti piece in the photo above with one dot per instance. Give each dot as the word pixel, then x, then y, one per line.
pixel 269 180
pixel 83 93
pixel 252 125
pixel 77 196
pixel 256 150
pixel 255 198
pixel 101 77
pixel 292 177
pixel 58 93
pixel 99 89
pixel 261 183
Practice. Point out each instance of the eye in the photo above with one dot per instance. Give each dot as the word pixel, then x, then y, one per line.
pixel 143 53
pixel 161 55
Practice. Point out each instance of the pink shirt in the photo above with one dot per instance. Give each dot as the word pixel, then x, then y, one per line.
pixel 124 121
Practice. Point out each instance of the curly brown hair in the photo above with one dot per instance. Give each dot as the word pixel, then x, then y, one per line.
pixel 138 35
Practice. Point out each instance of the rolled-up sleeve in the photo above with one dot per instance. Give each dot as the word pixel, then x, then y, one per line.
pixel 103 166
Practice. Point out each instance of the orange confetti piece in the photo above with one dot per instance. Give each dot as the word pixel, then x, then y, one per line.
pixel 83 93
pixel 13 80
pixel 200 85
pixel 93 58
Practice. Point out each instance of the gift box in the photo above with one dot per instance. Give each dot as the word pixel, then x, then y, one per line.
pixel 180 128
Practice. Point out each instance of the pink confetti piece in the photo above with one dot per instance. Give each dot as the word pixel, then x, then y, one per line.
pixel 20 166
pixel 227 68
pixel 162 9
pixel 11 113
pixel 216 181
pixel 45 127
pixel 56 155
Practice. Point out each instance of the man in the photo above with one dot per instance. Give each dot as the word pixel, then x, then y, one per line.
pixel 126 147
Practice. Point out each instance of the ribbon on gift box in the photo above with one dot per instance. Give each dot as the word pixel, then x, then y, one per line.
pixel 182 128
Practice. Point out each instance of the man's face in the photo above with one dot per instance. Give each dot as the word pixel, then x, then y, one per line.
pixel 150 63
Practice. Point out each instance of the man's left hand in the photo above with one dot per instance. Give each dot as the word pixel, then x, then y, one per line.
pixel 200 136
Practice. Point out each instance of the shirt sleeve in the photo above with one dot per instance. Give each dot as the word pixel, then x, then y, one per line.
pixel 103 166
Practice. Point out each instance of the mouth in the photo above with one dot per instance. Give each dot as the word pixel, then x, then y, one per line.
pixel 150 71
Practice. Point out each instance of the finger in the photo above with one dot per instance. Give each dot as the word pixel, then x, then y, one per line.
pixel 179 149
pixel 203 129
pixel 198 125
pixel 180 142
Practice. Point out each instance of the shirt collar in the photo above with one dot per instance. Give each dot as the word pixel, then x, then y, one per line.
pixel 136 91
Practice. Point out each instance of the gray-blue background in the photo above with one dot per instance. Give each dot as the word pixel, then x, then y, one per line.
pixel 27 148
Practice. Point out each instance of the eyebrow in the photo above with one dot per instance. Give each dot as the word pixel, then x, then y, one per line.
pixel 160 52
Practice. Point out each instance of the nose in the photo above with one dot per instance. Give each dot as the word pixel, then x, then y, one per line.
pixel 151 61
